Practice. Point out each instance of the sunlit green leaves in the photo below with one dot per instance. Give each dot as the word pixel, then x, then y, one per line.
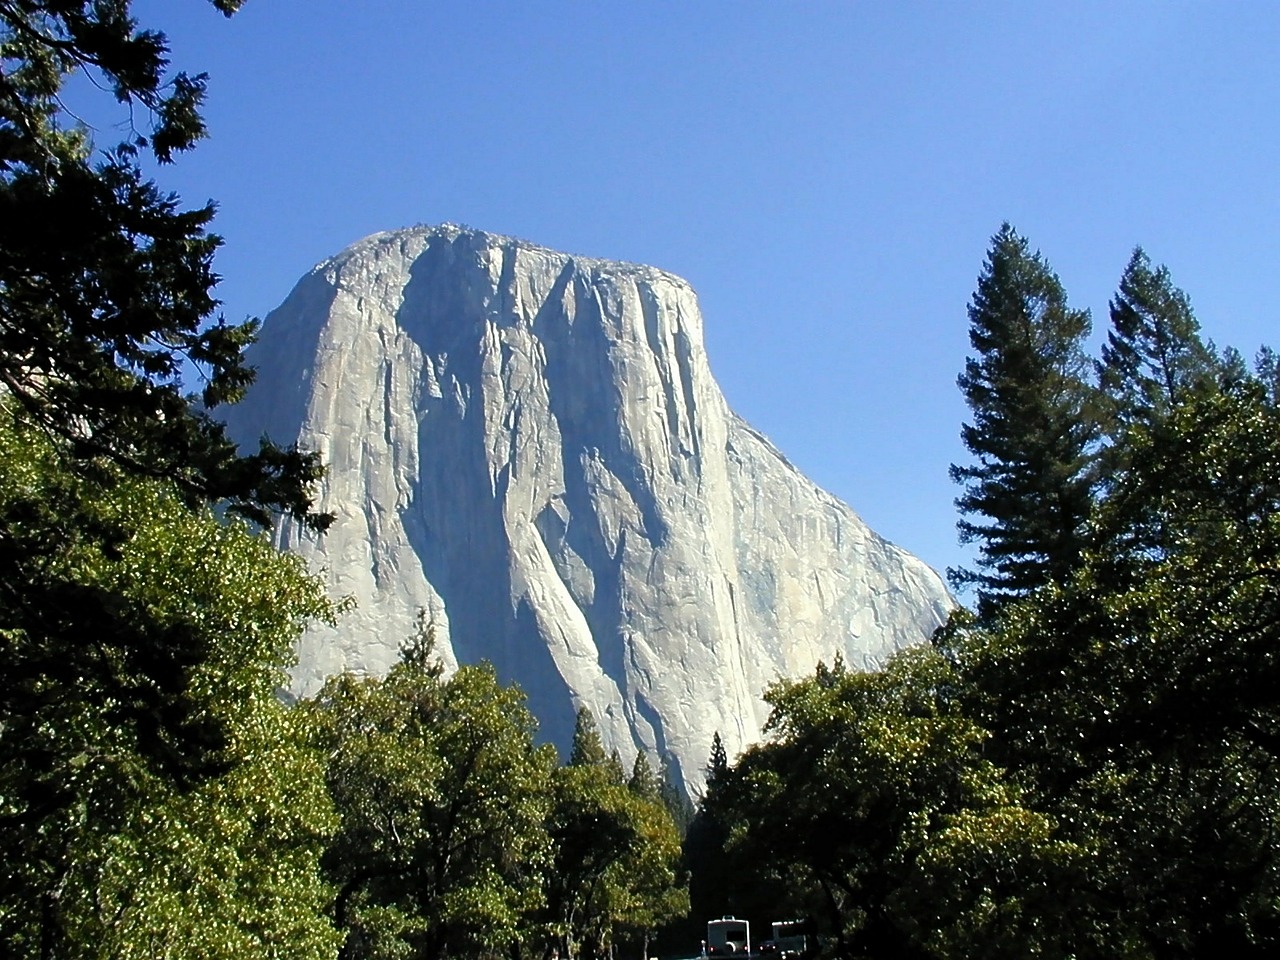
pixel 156 800
pixel 441 795
pixel 617 853
pixel 876 790
pixel 229 870
pixel 1089 766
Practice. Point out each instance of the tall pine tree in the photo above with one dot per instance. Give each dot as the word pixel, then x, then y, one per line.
pixel 1028 495
pixel 718 764
pixel 1153 363
pixel 1153 357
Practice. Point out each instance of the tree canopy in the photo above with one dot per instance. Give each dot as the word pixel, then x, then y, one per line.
pixel 616 868
pixel 152 793
pixel 1090 766
pixel 1087 767
pixel 441 795
pixel 154 799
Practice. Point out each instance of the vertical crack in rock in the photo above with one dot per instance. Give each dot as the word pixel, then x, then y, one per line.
pixel 530 446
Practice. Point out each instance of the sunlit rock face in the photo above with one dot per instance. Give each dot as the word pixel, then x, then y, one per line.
pixel 530 446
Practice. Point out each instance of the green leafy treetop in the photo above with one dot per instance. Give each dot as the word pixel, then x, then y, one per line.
pixel 442 797
pixel 137 695
pixel 1139 699
pixel 873 808
pixel 153 798
pixel 1092 772
pixel 617 853
pixel 106 281
pixel 1033 432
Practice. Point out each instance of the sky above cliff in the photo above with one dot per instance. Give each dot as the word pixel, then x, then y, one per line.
pixel 826 175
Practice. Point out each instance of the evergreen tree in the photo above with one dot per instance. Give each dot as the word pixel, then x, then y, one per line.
pixel 617 775
pixel 106 283
pixel 1138 702
pixel 674 797
pixel 711 882
pixel 1153 364
pixel 1153 357
pixel 1268 367
pixel 718 763
pixel 643 782
pixel 106 300
pixel 1094 771
pixel 587 749
pixel 1034 427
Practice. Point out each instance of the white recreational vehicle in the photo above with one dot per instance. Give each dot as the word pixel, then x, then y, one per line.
pixel 728 935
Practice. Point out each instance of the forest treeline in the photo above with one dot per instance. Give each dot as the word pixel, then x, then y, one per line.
pixel 157 798
pixel 1084 765
pixel 1087 765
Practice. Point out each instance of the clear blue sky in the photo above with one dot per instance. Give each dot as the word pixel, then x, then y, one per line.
pixel 826 175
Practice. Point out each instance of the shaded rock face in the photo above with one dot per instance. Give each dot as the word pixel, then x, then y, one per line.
pixel 530 447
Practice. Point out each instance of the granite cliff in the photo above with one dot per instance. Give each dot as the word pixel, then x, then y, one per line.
pixel 530 446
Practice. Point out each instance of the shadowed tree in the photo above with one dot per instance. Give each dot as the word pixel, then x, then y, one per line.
pixel 106 282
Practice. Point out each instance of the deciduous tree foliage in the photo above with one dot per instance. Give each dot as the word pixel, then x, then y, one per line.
pixel 145 801
pixel 105 290
pixel 442 797
pixel 134 628
pixel 616 854
pixel 648 887
pixel 228 870
pixel 1140 697
pixel 874 800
